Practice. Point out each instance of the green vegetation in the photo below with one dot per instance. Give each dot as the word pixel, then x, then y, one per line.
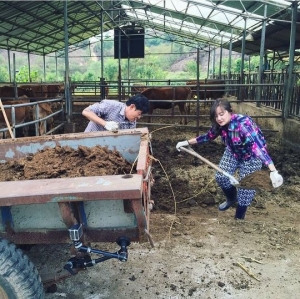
pixel 163 60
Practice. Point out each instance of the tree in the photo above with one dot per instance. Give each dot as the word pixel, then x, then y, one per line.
pixel 191 68
pixel 22 75
pixel 88 76
pixel 111 70
pixel 3 74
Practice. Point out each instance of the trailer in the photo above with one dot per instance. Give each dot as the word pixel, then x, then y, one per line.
pixel 79 210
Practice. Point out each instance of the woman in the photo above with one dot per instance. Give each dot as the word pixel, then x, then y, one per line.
pixel 245 149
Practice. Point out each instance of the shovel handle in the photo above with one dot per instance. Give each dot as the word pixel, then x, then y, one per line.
pixel 233 180
pixel 193 153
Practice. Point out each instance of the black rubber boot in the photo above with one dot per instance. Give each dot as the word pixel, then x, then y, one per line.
pixel 240 212
pixel 231 195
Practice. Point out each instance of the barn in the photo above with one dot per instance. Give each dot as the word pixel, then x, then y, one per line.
pixel 243 34
pixel 199 252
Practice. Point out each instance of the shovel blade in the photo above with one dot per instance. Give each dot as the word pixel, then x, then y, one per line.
pixel 257 180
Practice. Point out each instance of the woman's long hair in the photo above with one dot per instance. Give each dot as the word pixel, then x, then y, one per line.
pixel 224 104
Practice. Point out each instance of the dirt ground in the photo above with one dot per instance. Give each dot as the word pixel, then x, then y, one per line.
pixel 199 251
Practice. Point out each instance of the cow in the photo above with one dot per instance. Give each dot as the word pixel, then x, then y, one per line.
pixel 72 89
pixel 106 90
pixel 21 113
pixel 44 109
pixel 38 91
pixel 208 92
pixel 137 88
pixel 44 90
pixel 54 90
pixel 179 95
pixel 9 92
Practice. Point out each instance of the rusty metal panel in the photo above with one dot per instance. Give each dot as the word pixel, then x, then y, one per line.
pixel 62 236
pixel 36 211
pixel 71 189
pixel 126 142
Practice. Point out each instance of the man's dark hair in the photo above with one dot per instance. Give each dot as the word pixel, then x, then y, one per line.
pixel 141 103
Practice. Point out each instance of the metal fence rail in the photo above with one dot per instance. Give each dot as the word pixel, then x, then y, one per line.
pixel 33 105
pixel 269 93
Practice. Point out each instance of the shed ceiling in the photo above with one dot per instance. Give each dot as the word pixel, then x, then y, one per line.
pixel 38 27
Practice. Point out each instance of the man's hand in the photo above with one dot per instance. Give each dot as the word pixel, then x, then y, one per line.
pixel 111 126
pixel 276 179
pixel 181 144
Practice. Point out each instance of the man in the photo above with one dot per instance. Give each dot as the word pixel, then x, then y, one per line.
pixel 112 115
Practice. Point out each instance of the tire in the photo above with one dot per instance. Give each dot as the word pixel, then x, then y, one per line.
pixel 19 279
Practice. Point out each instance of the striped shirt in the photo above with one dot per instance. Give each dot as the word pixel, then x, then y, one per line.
pixel 109 110
pixel 242 137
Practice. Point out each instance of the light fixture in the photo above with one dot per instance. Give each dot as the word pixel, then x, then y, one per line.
pixel 249 37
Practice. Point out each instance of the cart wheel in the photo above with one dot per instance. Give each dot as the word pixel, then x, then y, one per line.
pixel 19 279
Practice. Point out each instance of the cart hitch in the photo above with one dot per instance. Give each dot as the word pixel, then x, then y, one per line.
pixel 75 232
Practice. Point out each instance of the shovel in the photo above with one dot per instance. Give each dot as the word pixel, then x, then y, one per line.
pixel 256 181
pixel 232 179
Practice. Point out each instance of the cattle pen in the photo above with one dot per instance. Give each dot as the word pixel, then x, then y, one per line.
pixel 23 125
pixel 265 102
pixel 69 198
pixel 194 110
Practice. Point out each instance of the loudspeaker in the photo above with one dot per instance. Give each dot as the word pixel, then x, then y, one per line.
pixel 132 42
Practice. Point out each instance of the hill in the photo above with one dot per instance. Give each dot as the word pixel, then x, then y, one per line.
pixel 81 62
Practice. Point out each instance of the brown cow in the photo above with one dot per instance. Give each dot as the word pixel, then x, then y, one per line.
pixel 72 89
pixel 38 90
pixel 44 109
pixel 9 92
pixel 44 90
pixel 208 92
pixel 106 90
pixel 137 88
pixel 54 90
pixel 21 113
pixel 179 95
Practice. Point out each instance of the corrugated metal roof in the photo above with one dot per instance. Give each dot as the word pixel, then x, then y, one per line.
pixel 37 27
